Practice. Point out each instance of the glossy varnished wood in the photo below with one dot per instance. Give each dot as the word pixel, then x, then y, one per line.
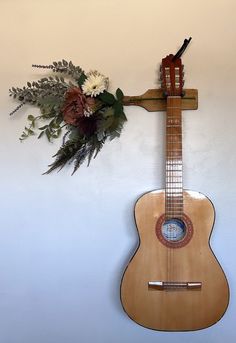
pixel 174 310
pixel 153 100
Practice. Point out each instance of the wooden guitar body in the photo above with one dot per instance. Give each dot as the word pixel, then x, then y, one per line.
pixel 174 309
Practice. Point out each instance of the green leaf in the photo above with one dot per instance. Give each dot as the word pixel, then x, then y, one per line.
pixel 48 135
pixel 43 127
pixel 31 132
pixel 107 97
pixel 118 108
pixel 41 134
pixel 119 94
pixel 81 79
pixel 74 134
pixel 108 112
pixel 30 117
pixel 49 100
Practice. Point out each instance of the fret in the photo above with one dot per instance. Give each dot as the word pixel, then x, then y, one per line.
pixel 171 181
pixel 170 205
pixel 173 152
pixel 173 138
pixel 174 117
pixel 171 159
pixel 170 177
pixel 177 206
pixel 172 195
pixel 173 173
pixel 175 163
pixel 177 212
pixel 175 201
pixel 172 143
pixel 173 122
pixel 169 150
pixel 174 168
pixel 174 187
pixel 174 208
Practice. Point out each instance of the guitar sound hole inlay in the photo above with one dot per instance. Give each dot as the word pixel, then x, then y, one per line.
pixel 175 232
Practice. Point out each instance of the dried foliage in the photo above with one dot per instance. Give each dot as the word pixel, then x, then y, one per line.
pixel 93 125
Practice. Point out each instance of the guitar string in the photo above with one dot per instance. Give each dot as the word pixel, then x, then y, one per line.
pixel 173 148
pixel 176 198
pixel 174 194
pixel 171 180
pixel 169 198
pixel 166 190
pixel 168 184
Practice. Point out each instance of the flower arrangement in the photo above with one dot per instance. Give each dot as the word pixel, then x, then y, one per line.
pixel 79 105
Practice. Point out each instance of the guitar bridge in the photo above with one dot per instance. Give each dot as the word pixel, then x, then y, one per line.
pixel 174 285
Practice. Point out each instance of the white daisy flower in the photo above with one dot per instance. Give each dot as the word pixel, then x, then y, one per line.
pixel 95 83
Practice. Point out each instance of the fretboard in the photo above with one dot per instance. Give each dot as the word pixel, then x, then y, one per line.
pixel 174 162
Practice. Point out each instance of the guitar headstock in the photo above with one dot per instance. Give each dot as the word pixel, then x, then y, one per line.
pixel 171 75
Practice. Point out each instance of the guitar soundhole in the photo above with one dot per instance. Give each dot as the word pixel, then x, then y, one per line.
pixel 174 232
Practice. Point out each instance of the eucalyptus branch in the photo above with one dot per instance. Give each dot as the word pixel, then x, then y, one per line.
pixel 29 131
pixel 81 103
pixel 16 109
pixel 63 66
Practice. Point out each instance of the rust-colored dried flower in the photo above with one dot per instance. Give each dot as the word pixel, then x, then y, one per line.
pixel 76 105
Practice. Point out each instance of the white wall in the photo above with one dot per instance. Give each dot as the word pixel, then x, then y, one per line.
pixel 65 241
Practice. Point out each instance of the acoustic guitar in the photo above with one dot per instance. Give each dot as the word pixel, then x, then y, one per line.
pixel 174 281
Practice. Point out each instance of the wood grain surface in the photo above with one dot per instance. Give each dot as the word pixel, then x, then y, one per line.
pixel 153 100
pixel 177 310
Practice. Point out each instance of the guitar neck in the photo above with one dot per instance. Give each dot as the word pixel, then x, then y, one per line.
pixel 174 161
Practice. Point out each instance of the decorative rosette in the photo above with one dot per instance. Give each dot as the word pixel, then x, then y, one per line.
pixel 79 105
